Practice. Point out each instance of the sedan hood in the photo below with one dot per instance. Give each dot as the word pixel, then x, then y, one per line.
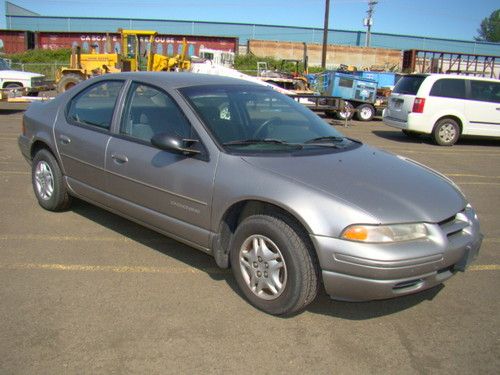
pixel 390 188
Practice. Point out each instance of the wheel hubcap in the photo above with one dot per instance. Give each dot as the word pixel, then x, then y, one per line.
pixel 366 113
pixel 263 267
pixel 44 180
pixel 447 132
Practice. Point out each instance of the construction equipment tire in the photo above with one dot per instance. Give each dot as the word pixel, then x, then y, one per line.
pixel 68 81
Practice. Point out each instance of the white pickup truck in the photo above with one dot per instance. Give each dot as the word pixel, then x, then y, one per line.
pixel 31 83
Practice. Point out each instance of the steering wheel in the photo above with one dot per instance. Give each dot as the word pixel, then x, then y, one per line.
pixel 264 126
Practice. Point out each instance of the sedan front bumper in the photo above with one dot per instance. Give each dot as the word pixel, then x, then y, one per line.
pixel 355 271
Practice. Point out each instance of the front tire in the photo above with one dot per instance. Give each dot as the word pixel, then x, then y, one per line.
pixel 48 184
pixel 446 132
pixel 13 86
pixel 273 266
pixel 67 81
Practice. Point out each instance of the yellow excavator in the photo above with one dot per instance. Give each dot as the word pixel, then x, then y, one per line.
pixel 86 65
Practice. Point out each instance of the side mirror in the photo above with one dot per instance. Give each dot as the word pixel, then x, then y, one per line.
pixel 171 143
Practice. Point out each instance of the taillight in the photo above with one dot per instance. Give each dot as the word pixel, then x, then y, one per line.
pixel 418 105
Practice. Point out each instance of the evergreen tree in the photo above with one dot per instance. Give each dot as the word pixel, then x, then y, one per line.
pixel 489 30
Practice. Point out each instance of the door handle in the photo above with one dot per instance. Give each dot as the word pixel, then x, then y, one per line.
pixel 119 159
pixel 64 139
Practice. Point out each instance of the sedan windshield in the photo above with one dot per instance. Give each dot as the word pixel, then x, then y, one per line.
pixel 244 118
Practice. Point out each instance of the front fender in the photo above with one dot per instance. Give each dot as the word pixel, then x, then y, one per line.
pixel 319 212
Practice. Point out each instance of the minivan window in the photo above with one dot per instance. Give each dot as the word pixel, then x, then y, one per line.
pixel 449 88
pixel 485 91
pixel 95 105
pixel 409 85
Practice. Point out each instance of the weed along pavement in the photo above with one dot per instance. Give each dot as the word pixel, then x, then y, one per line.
pixel 85 291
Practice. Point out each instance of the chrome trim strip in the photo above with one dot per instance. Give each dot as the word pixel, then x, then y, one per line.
pixel 484 123
pixel 388 264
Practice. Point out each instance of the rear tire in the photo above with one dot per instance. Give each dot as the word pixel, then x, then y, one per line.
pixel 67 81
pixel 446 132
pixel 273 266
pixel 365 112
pixel 48 184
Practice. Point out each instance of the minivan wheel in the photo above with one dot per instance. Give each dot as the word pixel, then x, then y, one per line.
pixel 446 132
pixel 273 265
pixel 48 183
pixel 365 112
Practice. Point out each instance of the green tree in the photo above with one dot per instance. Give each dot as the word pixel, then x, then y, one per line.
pixel 489 30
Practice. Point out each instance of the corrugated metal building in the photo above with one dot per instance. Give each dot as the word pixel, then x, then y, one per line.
pixel 21 19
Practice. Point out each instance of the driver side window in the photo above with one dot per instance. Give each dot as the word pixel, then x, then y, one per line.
pixel 149 111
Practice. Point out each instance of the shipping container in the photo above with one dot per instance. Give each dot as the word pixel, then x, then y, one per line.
pixel 15 41
pixel 19 41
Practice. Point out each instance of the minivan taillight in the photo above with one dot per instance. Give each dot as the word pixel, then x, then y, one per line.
pixel 418 105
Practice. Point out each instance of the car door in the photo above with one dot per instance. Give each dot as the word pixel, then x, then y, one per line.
pixel 167 190
pixel 483 108
pixel 82 132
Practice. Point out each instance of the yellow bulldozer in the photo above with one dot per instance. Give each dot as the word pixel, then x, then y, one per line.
pixel 132 58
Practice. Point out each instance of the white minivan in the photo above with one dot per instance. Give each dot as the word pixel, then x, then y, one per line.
pixel 445 106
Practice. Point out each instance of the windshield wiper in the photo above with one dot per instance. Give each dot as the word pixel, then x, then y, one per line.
pixel 244 142
pixel 325 139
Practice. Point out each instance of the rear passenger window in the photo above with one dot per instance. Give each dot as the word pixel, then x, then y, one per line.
pixel 485 91
pixel 449 88
pixel 408 85
pixel 149 111
pixel 95 105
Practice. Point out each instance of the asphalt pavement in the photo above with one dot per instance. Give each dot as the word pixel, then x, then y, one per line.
pixel 87 292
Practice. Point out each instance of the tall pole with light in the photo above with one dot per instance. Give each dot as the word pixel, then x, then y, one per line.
pixel 368 21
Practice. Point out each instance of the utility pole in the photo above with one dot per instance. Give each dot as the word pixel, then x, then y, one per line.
pixel 325 34
pixel 368 21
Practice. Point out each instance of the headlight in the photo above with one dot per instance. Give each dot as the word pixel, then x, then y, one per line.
pixel 384 233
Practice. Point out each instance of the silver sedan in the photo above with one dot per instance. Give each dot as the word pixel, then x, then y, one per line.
pixel 255 179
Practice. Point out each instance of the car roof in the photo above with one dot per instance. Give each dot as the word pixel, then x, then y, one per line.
pixel 436 76
pixel 173 80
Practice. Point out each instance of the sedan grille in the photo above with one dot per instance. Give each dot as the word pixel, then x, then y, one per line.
pixel 454 224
